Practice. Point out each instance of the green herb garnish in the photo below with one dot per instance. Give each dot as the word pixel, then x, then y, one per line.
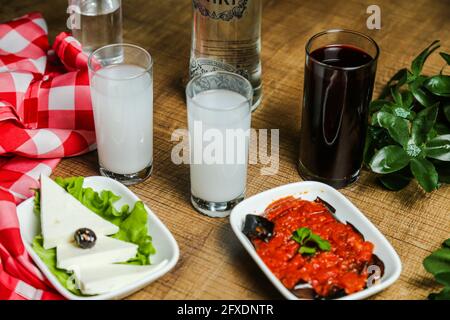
pixel 409 133
pixel 310 242
pixel 438 264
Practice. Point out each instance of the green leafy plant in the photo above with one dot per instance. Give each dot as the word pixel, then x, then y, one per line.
pixel 309 241
pixel 438 264
pixel 409 131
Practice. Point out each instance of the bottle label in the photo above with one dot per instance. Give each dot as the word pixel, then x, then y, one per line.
pixel 203 65
pixel 226 9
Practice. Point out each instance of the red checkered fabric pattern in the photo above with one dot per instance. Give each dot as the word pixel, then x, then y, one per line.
pixel 23 44
pixel 45 115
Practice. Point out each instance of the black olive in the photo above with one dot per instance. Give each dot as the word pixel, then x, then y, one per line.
pixel 258 227
pixel 85 238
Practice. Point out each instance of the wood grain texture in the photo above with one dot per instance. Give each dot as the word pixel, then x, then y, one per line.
pixel 213 265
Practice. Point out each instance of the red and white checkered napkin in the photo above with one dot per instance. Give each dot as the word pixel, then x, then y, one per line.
pixel 45 114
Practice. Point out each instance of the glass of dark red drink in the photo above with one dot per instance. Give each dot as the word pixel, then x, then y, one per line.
pixel 339 77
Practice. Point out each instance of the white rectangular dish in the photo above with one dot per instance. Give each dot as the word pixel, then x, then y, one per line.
pixel 345 211
pixel 167 251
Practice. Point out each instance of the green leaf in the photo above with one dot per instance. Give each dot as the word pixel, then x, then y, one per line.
pixel 397 79
pixel 376 105
pixel 438 264
pixel 380 136
pixel 438 85
pixel 439 148
pixel 397 96
pixel 401 110
pixel 423 123
pixel 394 181
pixel 37 202
pixel 443 295
pixel 441 129
pixel 422 95
pixel 446 109
pixel 323 245
pixel 443 278
pixel 432 134
pixel 438 261
pixel 446 57
pixel 397 127
pixel 408 99
pixel 403 113
pixel 302 234
pixel 389 159
pixel 134 229
pixel 48 256
pixel 425 173
pixel 376 138
pixel 73 185
pixel 309 241
pixel 413 150
pixel 443 170
pixel 307 250
pixel 419 61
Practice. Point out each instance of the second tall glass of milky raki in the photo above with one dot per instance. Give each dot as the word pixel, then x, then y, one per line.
pixel 122 99
pixel 219 115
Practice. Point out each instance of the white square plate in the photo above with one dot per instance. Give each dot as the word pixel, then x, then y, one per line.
pixel 163 240
pixel 345 211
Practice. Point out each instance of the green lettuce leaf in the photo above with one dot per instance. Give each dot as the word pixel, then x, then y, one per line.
pixel 438 264
pixel 37 202
pixel 132 225
pixel 48 256
pixel 134 229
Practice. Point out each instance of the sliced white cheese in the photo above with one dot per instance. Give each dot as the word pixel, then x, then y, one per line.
pixel 106 278
pixel 62 215
pixel 106 250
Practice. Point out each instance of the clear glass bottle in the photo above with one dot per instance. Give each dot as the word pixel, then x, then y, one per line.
pixel 226 35
pixel 96 23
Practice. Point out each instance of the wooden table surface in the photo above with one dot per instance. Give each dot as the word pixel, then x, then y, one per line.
pixel 213 265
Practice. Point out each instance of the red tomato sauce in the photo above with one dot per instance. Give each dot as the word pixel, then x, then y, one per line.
pixel 344 267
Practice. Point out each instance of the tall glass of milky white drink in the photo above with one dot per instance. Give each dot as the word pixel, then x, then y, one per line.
pixel 122 99
pixel 219 115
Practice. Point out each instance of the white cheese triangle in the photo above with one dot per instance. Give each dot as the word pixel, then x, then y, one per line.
pixel 106 250
pixel 105 278
pixel 62 215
